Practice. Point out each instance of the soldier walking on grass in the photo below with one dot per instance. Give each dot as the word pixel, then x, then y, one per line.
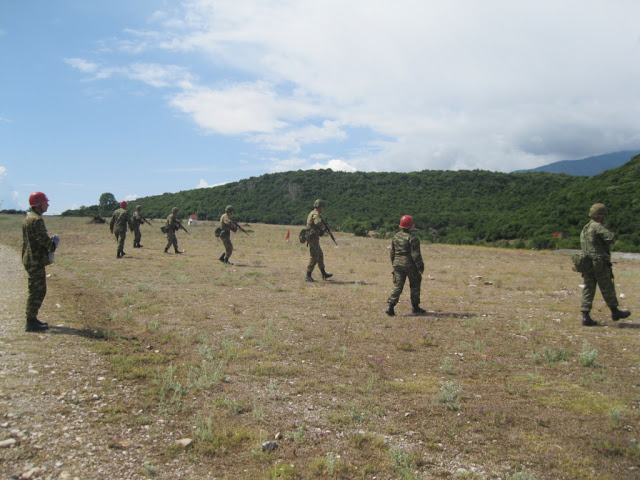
pixel 36 246
pixel 596 241
pixel 316 227
pixel 136 222
pixel 172 226
pixel 226 227
pixel 407 262
pixel 120 220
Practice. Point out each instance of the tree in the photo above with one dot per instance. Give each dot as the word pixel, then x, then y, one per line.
pixel 107 203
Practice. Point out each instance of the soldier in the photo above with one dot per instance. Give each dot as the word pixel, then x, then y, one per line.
pixel 136 222
pixel 173 225
pixel 596 241
pixel 227 226
pixel 120 220
pixel 315 229
pixel 36 245
pixel 407 262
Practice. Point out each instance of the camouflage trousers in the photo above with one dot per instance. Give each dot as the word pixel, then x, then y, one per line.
pixel 171 240
pixel 228 246
pixel 120 237
pixel 400 274
pixel 316 257
pixel 37 282
pixel 137 236
pixel 602 276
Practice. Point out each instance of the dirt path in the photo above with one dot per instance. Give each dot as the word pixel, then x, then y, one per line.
pixel 59 406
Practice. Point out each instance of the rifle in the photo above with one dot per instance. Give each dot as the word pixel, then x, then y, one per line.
pixel 181 227
pixel 328 230
pixel 144 220
pixel 238 225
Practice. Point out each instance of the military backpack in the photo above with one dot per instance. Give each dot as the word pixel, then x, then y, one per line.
pixel 217 232
pixel 582 262
pixel 302 236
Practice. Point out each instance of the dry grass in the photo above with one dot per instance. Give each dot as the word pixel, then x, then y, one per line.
pixel 499 380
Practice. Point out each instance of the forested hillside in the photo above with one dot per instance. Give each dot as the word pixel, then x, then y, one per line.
pixel 464 207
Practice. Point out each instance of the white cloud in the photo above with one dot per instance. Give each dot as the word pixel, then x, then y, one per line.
pixel 336 165
pixel 131 197
pixel 9 197
pixel 498 84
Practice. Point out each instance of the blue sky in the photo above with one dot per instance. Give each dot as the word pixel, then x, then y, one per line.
pixel 143 97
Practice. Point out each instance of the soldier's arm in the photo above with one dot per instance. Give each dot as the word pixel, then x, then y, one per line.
pixel 416 255
pixel 41 236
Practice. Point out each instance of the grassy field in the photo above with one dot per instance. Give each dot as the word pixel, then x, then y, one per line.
pixel 499 380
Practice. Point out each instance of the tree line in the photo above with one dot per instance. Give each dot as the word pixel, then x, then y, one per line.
pixel 520 210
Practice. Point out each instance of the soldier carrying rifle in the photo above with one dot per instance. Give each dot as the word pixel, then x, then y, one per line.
pixel 137 220
pixel 316 227
pixel 172 226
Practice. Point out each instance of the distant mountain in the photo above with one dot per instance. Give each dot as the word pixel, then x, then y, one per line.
pixel 587 167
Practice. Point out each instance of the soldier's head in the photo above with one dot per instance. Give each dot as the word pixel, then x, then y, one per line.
pixel 319 203
pixel 138 208
pixel 229 209
pixel 406 222
pixel 174 210
pixel 598 210
pixel 123 204
pixel 38 202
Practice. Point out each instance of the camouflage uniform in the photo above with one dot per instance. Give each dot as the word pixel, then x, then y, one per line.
pixel 315 229
pixel 227 226
pixel 118 225
pixel 36 245
pixel 136 222
pixel 407 262
pixel 596 241
pixel 173 225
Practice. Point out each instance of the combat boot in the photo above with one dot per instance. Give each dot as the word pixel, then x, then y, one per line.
pixel 222 257
pixel 308 278
pixel 618 314
pixel 166 250
pixel 587 321
pixel 139 246
pixel 325 275
pixel 35 325
pixel 179 252
pixel 390 311
pixel 118 255
pixel 227 262
pixel 416 310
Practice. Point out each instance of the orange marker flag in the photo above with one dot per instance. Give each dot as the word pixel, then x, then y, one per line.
pixel 288 234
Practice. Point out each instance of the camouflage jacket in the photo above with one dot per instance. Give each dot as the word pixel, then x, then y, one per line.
pixel 36 243
pixel 596 240
pixel 120 220
pixel 227 226
pixel 315 226
pixel 173 223
pixel 405 250
pixel 136 220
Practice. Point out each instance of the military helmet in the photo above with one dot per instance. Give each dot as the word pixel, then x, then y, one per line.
pixel 318 203
pixel 598 210
pixel 123 204
pixel 37 198
pixel 174 210
pixel 406 222
pixel 229 208
pixel 138 208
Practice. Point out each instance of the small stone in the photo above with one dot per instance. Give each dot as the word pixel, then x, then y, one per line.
pixel 8 443
pixel 184 442
pixel 269 446
pixel 30 474
pixel 278 436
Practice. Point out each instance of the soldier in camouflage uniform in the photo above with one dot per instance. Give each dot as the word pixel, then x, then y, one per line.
pixel 136 222
pixel 315 229
pixel 172 226
pixel 596 241
pixel 36 245
pixel 227 226
pixel 120 221
pixel 407 262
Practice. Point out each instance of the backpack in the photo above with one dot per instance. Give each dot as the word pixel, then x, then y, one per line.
pixel 302 236
pixel 163 229
pixel 217 232
pixel 582 262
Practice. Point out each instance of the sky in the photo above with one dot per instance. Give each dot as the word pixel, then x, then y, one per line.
pixel 138 98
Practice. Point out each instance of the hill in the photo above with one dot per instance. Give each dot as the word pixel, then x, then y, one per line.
pixel 464 207
pixel 589 166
